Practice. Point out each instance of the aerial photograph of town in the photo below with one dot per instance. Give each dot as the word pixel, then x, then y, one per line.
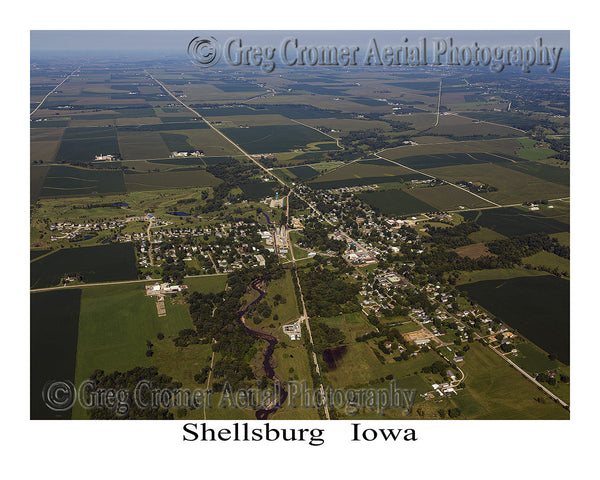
pixel 275 225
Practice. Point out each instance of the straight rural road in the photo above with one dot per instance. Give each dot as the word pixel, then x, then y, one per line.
pixel 53 90
pixel 124 282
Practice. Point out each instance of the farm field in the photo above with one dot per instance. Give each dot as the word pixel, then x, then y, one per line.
pixel 395 202
pixel 258 190
pixel 62 181
pixel 82 144
pixel 513 186
pixel 447 197
pixel 497 274
pixel 105 263
pixel 505 146
pixel 515 221
pixel 136 145
pixel 275 138
pixel 536 306
pixel 54 330
pixel 44 143
pixel 181 178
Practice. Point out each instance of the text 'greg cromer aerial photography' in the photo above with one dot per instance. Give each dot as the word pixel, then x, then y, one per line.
pixel 300 225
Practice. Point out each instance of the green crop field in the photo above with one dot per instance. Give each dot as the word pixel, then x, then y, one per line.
pixel 536 306
pixel 135 145
pixel 54 323
pixel 395 202
pixel 61 181
pixel 193 177
pixel 303 171
pixel 84 143
pixel 545 172
pixel 274 138
pixel 177 142
pixel 258 190
pixel 514 221
pixel 111 262
pixel 447 197
pixel 419 162
pixel 512 186
pixel 497 274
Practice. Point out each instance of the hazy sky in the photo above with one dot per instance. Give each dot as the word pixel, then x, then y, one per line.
pixel 177 40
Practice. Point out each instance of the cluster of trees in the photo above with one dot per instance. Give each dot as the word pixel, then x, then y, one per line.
pixel 216 316
pixel 316 236
pixel 515 248
pixel 552 380
pixel 484 188
pixel 370 140
pixel 325 336
pixel 453 237
pixel 128 381
pixel 438 261
pixel 438 367
pixel 326 293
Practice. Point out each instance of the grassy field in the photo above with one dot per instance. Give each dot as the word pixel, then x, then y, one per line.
pixel 530 152
pixel 212 284
pixel 360 365
pixel 496 391
pixel 115 322
pixel 485 235
pixel 549 260
pixel 564 238
pixel 351 324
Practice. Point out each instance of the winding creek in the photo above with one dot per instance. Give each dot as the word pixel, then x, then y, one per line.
pixel 264 413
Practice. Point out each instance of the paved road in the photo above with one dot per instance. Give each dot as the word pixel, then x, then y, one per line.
pixel 53 90
pixel 124 282
pixel 530 378
pixel 466 190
